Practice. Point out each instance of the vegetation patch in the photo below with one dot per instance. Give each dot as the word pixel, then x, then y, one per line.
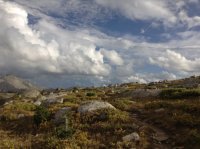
pixel 42 115
pixel 179 93
pixel 90 94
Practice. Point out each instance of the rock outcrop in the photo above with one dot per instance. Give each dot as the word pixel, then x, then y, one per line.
pixel 93 106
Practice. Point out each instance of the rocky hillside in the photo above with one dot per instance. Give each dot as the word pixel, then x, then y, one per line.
pixel 10 83
pixel 158 115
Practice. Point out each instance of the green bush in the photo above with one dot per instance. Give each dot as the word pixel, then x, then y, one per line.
pixel 90 94
pixel 42 114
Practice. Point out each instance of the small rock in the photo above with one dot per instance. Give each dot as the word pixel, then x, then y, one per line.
pixel 131 137
pixel 20 116
pixel 160 110
pixel 38 103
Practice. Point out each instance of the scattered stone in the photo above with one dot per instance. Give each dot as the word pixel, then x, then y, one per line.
pixel 131 137
pixel 94 105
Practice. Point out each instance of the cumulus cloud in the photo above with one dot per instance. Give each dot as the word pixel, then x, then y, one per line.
pixel 56 45
pixel 45 48
pixel 189 21
pixel 112 56
pixel 172 60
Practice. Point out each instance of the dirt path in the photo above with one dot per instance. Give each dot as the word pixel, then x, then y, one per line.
pixel 158 136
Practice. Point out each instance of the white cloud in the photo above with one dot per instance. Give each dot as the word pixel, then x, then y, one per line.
pixel 46 48
pixel 83 12
pixel 142 10
pixel 188 21
pixel 166 12
pixel 136 79
pixel 112 56
pixel 175 61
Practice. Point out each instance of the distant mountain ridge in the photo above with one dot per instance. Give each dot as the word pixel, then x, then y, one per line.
pixel 11 83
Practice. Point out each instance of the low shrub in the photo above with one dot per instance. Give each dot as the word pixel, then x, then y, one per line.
pixel 42 115
pixel 63 133
pixel 108 115
pixel 90 94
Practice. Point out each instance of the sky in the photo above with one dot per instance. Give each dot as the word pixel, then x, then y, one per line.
pixel 65 43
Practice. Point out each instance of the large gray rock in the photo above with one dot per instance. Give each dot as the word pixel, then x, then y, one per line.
pixel 93 106
pixel 33 93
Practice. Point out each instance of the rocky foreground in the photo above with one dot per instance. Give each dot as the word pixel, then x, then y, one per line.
pixel 158 115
